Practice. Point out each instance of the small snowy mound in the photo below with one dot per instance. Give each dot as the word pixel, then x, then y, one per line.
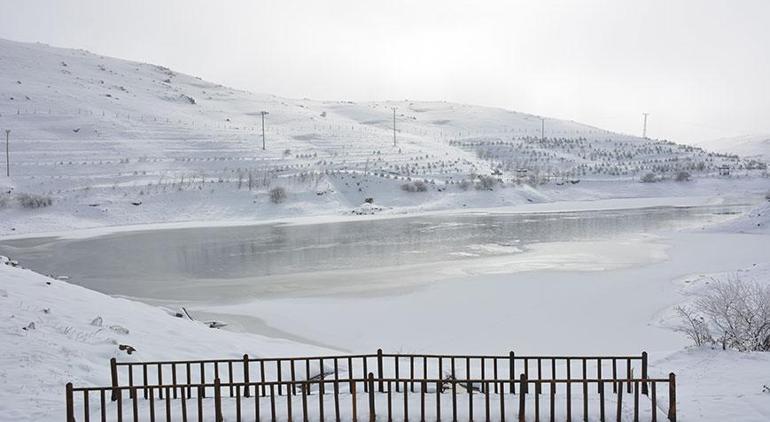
pixel 755 221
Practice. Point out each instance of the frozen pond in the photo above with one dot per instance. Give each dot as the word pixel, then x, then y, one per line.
pixel 200 263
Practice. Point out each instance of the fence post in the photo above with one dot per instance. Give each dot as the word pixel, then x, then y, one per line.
pixel 511 372
pixel 672 397
pixel 379 370
pixel 70 403
pixel 246 387
pixel 372 415
pixel 522 398
pixel 114 376
pixel 644 373
pixel 217 401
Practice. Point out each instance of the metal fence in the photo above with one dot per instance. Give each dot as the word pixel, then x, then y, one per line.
pixel 345 387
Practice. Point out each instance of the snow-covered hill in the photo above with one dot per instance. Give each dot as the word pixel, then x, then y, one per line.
pixel 746 145
pixel 100 136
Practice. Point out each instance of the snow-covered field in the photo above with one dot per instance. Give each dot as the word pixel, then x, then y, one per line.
pixel 120 146
pixel 541 310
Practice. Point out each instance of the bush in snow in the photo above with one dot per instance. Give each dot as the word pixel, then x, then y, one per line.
pixel 277 195
pixel 694 326
pixel 416 186
pixel 767 195
pixel 733 314
pixel 649 178
pixel 486 183
pixel 28 200
pixel 682 176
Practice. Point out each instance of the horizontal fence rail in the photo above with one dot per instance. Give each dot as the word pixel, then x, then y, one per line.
pixel 380 386
pixel 383 365
pixel 346 399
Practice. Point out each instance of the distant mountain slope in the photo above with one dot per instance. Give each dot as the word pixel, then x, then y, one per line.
pixel 101 136
pixel 746 145
pixel 52 92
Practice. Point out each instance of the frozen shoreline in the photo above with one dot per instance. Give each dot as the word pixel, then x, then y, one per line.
pixel 464 314
pixel 337 217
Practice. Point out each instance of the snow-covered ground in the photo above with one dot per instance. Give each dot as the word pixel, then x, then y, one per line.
pixel 113 142
pixel 53 332
pixel 556 310
pixel 746 145
pixel 118 145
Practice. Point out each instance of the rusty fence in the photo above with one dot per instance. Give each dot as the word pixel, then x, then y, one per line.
pixel 383 365
pixel 349 387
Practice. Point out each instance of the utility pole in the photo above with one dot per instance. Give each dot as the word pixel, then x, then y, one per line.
pixel 644 131
pixel 263 113
pixel 7 154
pixel 542 129
pixel 394 126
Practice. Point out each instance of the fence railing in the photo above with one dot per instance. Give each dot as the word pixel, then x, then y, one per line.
pixel 354 399
pixel 392 386
pixel 383 365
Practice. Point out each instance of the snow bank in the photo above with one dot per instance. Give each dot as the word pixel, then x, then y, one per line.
pixel 755 221
pixel 53 332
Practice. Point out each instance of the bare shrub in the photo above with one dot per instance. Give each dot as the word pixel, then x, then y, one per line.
pixel 416 186
pixel 464 184
pixel 29 200
pixel 682 176
pixel 649 178
pixel 277 195
pixel 734 314
pixel 694 326
pixel 486 183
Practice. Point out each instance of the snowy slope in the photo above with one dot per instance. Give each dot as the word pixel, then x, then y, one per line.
pixel 75 332
pixel 747 145
pixel 54 91
pixel 101 136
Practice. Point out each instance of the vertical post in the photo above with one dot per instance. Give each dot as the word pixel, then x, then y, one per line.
pixel 372 416
pixel 619 413
pixel 246 387
pixel 379 369
pixel 394 126
pixel 644 373
pixel 217 401
pixel 8 154
pixel 672 397
pixel 542 129
pixel 510 371
pixel 70 403
pixel 522 398
pixel 263 128
pixel 114 377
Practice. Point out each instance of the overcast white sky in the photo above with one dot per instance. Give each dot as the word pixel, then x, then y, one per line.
pixel 700 67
